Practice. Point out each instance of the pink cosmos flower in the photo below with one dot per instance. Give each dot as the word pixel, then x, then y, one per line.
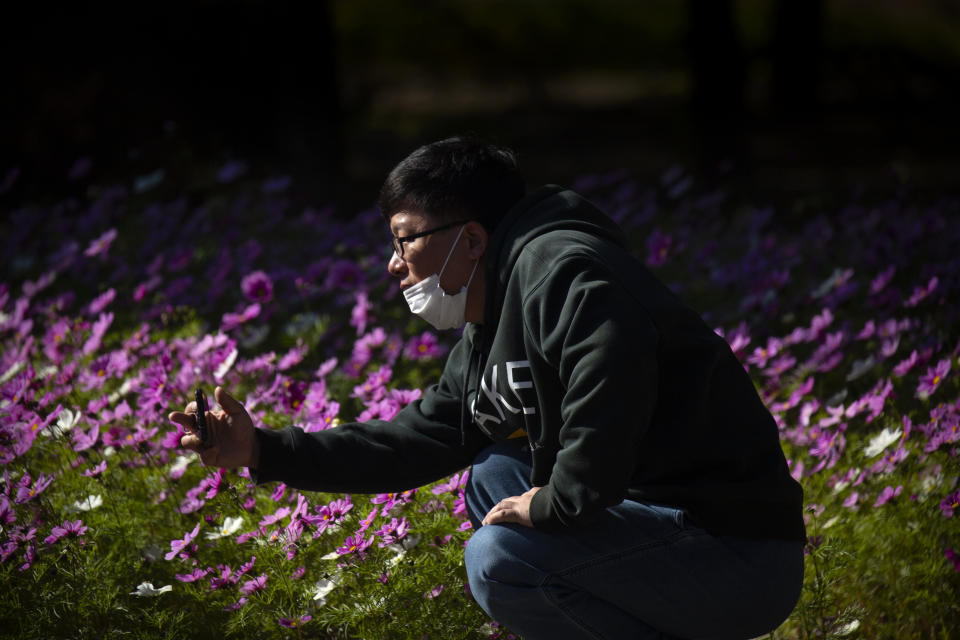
pixel 905 365
pixel 102 301
pixel 83 440
pixel 93 472
pixel 96 335
pixel 252 586
pixel 7 514
pixel 423 347
pixel 292 357
pixel 882 280
pixel 222 578
pixel 886 495
pixel 180 546
pixel 101 245
pixel 950 504
pixel 193 576
pixel 932 378
pixel 393 532
pixel 293 623
pixel 954 558
pixel 360 314
pixel 26 492
pixel 921 292
pixel 74 528
pixel 234 320
pixel 275 517
pixel 257 287
pixel 355 545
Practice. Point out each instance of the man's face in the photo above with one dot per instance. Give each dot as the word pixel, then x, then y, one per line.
pixel 424 257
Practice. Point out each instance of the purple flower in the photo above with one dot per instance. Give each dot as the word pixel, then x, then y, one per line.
pixel 293 623
pixel 93 472
pixel 292 357
pixel 852 500
pixel 950 504
pixel 277 516
pixel 83 440
pixel 922 292
pixel 257 287
pixel 193 576
pixel 101 244
pixel 252 586
pixel 222 579
pixel 360 315
pixel 882 280
pixel 423 347
pixel 326 367
pixel 658 247
pixel 180 546
pixel 932 378
pixel 343 274
pixel 102 301
pixel 954 558
pixel 454 484
pixel 74 528
pixel 96 336
pixel 355 544
pixel 392 532
pixel 234 320
pixel 25 492
pixel 886 495
pixel 7 514
pixel 905 365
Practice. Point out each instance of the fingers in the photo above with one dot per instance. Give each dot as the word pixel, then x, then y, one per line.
pixel 501 512
pixel 185 420
pixel 225 400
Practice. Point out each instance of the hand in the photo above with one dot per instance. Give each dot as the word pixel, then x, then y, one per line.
pixel 515 509
pixel 231 441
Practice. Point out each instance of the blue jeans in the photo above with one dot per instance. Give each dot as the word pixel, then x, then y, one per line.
pixel 638 571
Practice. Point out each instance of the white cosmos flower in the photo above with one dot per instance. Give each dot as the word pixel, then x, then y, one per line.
pixel 145 589
pixel 881 441
pixel 66 421
pixel 225 365
pixel 324 587
pixel 230 526
pixel 88 503
pixel 14 369
pixel 181 463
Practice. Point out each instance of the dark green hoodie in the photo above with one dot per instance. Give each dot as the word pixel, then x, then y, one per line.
pixel 619 389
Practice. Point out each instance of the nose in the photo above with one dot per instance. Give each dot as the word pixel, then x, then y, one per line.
pixel 396 266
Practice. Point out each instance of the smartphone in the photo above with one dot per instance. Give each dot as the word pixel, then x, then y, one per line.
pixel 201 415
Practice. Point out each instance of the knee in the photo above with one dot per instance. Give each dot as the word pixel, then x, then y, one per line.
pixel 491 566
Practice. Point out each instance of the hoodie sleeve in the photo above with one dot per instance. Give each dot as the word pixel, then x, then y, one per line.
pixel 421 444
pixel 603 345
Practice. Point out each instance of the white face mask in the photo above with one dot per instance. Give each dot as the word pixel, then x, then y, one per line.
pixel 442 310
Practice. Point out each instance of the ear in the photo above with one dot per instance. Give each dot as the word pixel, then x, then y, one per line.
pixel 476 239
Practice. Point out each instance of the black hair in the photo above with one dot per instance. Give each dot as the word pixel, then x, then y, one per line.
pixel 462 177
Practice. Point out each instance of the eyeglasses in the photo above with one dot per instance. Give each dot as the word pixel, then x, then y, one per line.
pixel 398 242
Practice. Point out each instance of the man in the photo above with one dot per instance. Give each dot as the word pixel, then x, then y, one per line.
pixel 626 482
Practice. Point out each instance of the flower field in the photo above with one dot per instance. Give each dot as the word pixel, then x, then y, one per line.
pixel 119 299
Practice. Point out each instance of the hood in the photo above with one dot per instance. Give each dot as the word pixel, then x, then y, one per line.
pixel 549 208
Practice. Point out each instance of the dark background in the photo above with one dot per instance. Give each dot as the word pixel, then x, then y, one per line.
pixel 777 99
